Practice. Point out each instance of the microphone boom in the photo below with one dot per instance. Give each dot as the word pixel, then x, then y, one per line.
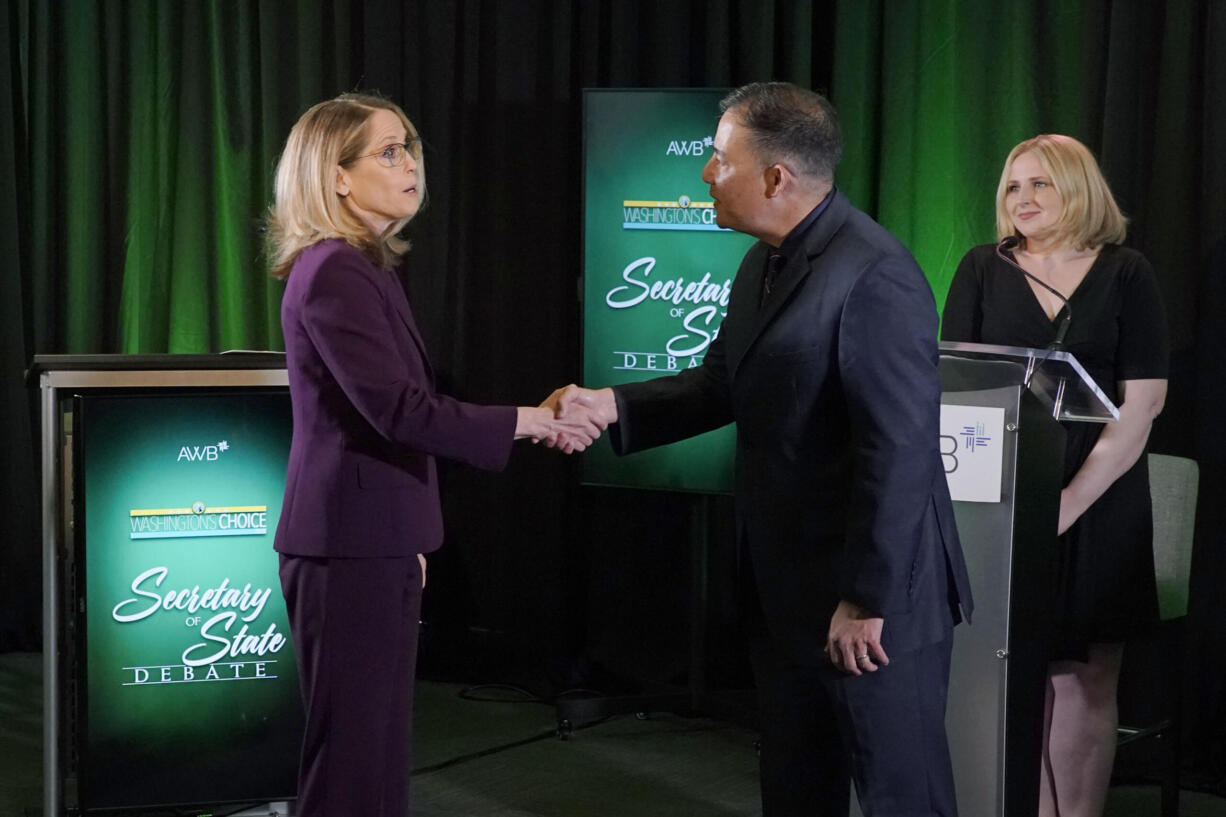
pixel 1008 243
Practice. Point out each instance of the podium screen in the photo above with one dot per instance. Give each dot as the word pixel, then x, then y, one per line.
pixel 657 269
pixel 187 688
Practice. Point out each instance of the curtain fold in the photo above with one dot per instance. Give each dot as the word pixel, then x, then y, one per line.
pixel 154 130
pixel 19 507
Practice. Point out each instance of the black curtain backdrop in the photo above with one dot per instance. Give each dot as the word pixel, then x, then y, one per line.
pixel 20 522
pixel 141 138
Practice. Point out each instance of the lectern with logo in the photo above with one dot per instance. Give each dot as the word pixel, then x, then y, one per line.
pixel 169 676
pixel 1003 447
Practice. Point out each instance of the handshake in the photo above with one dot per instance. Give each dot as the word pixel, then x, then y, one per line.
pixel 569 420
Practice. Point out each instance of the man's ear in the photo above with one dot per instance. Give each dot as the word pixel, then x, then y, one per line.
pixel 775 178
pixel 342 182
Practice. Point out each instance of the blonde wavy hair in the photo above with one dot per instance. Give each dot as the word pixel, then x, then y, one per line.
pixel 1090 217
pixel 306 208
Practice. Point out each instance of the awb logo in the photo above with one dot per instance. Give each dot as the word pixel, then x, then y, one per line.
pixel 202 453
pixel 696 147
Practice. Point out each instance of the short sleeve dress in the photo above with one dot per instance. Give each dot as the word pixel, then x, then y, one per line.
pixel 1118 332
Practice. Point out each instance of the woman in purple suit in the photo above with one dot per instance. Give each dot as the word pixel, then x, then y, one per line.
pixel 361 496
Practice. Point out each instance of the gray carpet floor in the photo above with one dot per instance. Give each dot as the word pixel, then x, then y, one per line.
pixel 501 759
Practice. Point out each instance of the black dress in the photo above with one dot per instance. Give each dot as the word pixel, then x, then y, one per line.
pixel 1117 332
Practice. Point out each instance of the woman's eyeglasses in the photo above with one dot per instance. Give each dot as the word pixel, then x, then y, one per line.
pixel 393 155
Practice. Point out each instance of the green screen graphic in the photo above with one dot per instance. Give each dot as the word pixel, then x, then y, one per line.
pixel 190 687
pixel 657 270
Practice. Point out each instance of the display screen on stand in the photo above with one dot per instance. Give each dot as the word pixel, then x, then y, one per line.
pixel 657 269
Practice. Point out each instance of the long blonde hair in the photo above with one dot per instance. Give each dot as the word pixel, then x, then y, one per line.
pixel 1090 217
pixel 306 208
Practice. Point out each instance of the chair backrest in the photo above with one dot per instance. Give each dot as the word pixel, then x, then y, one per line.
pixel 1172 487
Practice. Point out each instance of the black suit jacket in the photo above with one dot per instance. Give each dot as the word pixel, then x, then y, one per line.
pixel 833 385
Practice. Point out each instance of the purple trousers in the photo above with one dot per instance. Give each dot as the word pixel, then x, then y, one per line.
pixel 354 625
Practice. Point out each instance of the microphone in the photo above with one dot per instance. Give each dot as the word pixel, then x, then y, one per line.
pixel 1008 243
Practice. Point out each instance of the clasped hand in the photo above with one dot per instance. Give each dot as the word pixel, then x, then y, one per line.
pixel 570 419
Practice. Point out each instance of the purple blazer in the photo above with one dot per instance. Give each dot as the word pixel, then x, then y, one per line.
pixel 367 421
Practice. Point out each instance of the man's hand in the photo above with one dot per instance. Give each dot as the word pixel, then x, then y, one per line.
pixel 571 398
pixel 571 404
pixel 854 640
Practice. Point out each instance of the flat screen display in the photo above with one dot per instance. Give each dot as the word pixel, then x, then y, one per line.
pixel 188 687
pixel 657 269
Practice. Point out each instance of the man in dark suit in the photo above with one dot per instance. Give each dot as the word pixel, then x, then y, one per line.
pixel 827 362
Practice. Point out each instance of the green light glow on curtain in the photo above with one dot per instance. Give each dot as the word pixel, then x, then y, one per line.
pixel 154 126
pixel 932 105
pixel 155 131
pixel 934 94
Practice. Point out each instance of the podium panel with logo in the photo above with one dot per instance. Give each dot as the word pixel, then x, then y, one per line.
pixel 169 675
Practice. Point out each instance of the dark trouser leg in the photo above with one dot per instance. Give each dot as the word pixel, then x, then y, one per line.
pixel 354 626
pixel 804 770
pixel 400 716
pixel 893 722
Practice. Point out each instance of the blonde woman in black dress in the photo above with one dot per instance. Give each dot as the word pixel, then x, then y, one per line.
pixel 1054 203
